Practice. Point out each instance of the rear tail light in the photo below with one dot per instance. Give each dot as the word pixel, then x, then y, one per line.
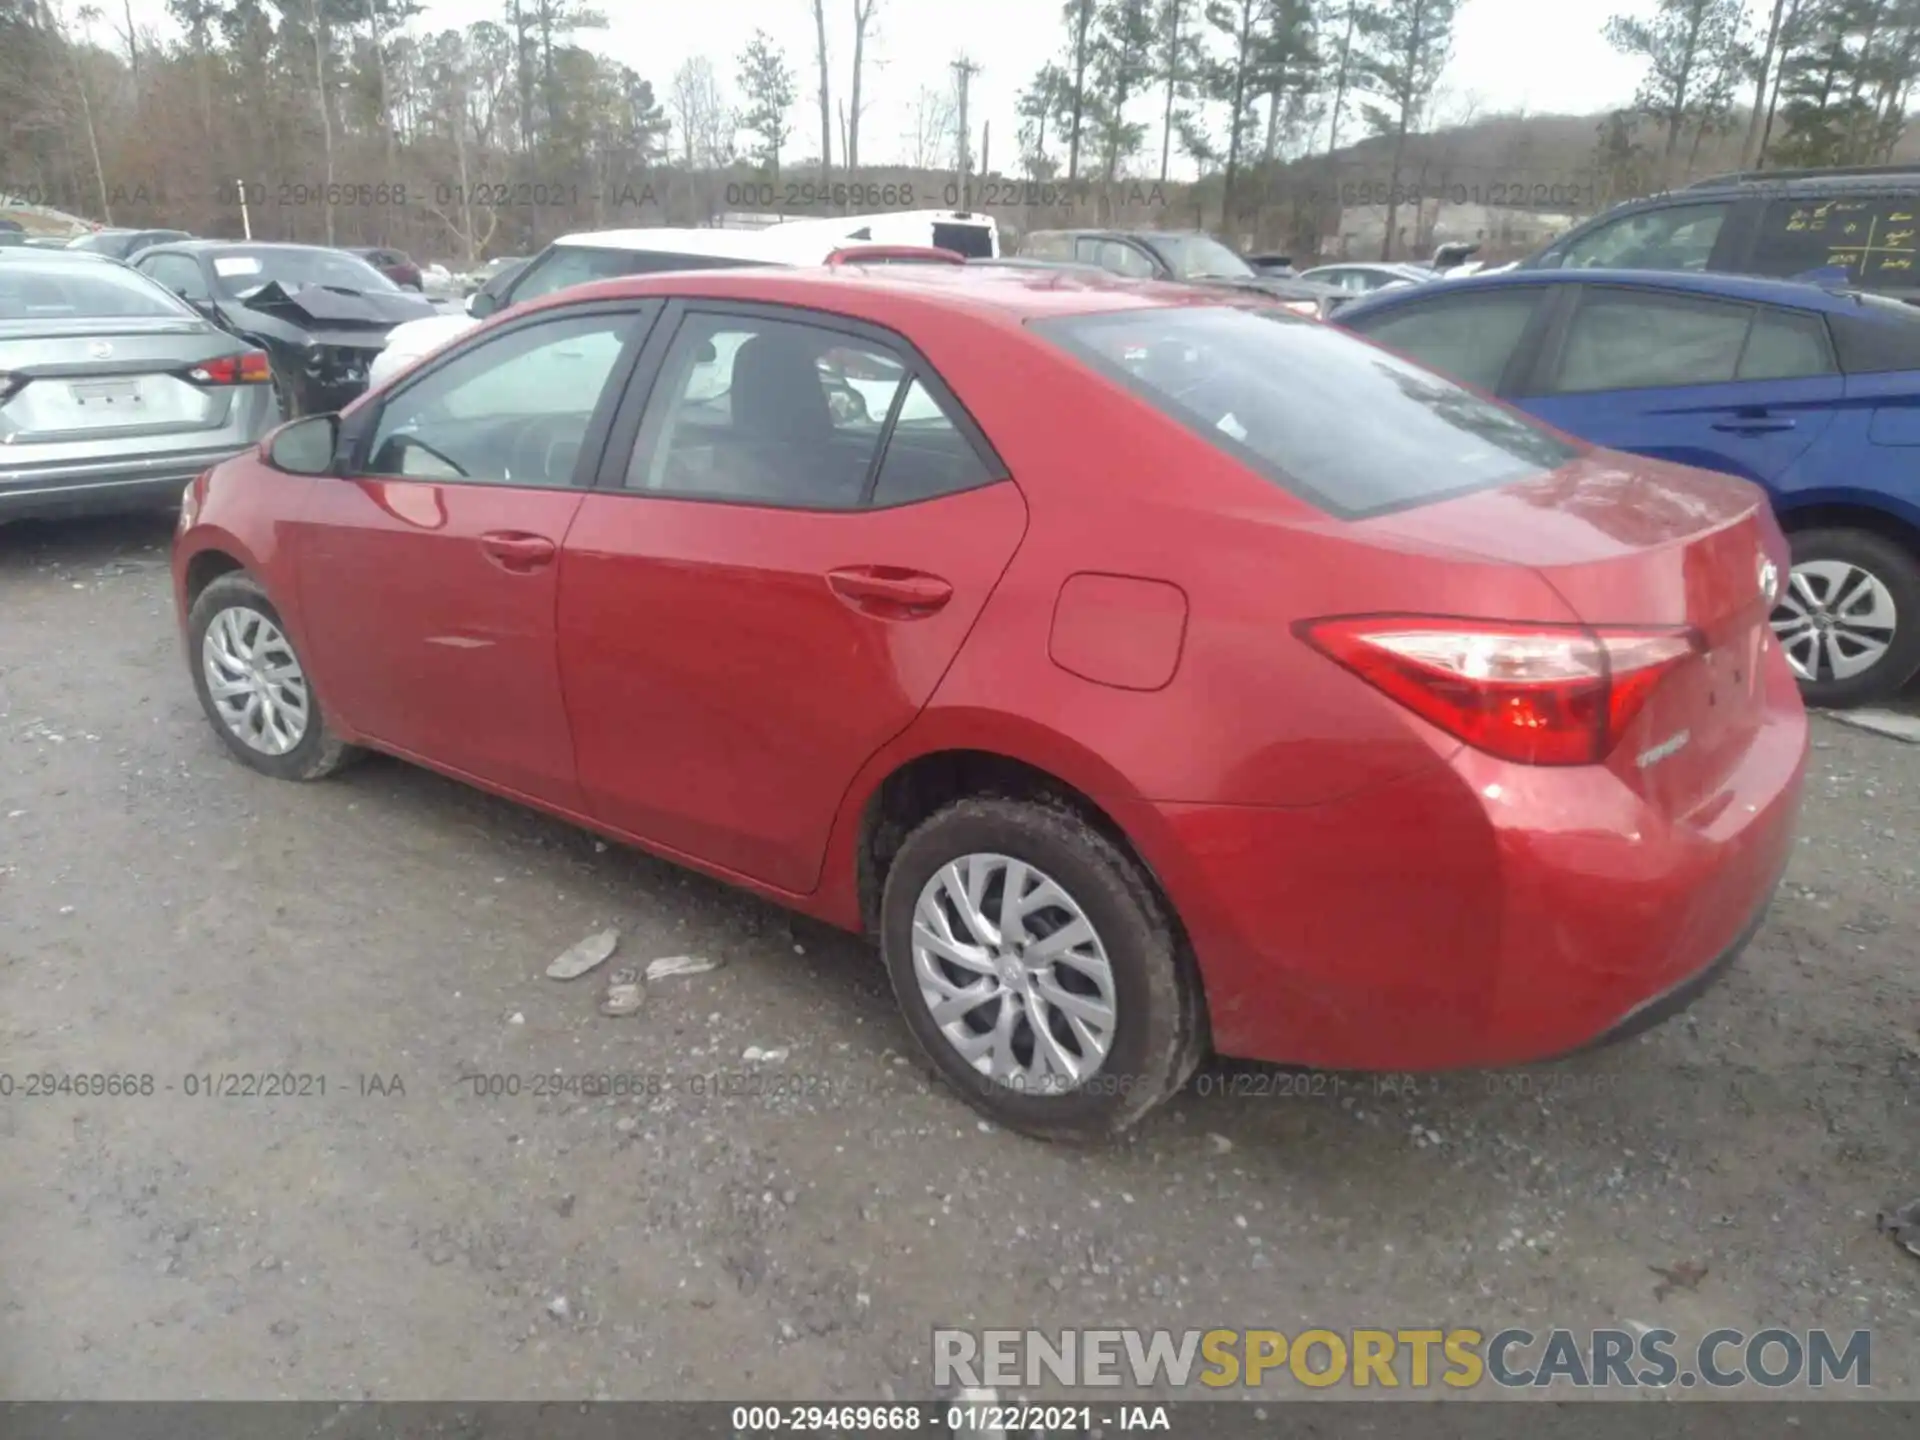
pixel 1538 694
pixel 249 367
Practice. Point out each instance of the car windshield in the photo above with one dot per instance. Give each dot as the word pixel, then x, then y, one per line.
pixel 241 271
pixel 81 290
pixel 1201 257
pixel 1349 427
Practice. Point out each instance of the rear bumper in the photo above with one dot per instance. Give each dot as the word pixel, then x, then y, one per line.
pixel 101 487
pixel 1477 915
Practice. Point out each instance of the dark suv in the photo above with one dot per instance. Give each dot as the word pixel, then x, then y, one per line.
pixel 1777 223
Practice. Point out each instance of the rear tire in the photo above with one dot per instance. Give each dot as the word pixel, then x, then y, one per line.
pixel 1153 1035
pixel 1849 617
pixel 284 732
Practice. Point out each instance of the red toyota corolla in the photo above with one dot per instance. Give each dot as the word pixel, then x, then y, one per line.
pixel 1148 671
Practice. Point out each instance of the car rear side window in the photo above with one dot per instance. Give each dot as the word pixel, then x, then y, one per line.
pixel 1349 427
pixel 1469 336
pixel 1871 237
pixel 1883 337
pixel 1786 345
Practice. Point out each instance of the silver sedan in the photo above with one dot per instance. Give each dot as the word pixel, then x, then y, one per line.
pixel 114 393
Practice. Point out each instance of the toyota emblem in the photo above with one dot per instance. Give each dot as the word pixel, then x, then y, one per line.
pixel 1769 580
pixel 100 350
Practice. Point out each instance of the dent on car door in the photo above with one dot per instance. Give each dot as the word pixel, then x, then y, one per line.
pixel 767 587
pixel 1738 388
pixel 428 577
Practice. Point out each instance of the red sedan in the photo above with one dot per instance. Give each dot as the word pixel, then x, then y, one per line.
pixel 1150 671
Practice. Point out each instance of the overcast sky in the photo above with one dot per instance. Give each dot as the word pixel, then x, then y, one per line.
pixel 1540 55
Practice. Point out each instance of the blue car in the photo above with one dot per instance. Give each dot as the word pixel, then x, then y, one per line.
pixel 1813 394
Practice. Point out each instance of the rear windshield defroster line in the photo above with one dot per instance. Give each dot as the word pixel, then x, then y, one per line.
pixel 1346 426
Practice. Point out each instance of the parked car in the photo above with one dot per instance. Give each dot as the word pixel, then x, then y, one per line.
pixel 396 265
pixel 502 269
pixel 1813 394
pixel 1292 701
pixel 1364 277
pixel 974 236
pixel 124 244
pixel 601 255
pixel 321 314
pixel 1189 256
pixel 1775 223
pixel 113 393
pixel 1280 265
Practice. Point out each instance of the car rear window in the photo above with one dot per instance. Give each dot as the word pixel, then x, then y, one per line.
pixel 1345 425
pixel 973 241
pixel 82 290
pixel 1883 336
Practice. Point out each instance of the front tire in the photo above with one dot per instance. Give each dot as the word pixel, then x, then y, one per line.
pixel 1038 969
pixel 252 686
pixel 1849 618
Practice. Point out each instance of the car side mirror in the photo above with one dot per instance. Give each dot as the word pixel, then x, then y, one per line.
pixel 305 446
pixel 482 303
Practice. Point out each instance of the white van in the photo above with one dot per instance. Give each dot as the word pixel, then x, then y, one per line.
pixel 596 255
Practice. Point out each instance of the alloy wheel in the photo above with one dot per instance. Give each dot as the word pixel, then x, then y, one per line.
pixel 1013 974
pixel 1835 620
pixel 255 681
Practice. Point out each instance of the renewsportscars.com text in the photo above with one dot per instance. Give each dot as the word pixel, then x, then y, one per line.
pixel 1413 1359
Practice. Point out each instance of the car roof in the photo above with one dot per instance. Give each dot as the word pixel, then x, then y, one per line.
pixel 1856 177
pixel 884 294
pixel 201 245
pixel 1750 289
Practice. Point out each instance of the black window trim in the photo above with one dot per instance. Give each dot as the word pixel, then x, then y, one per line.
pixel 357 430
pixel 624 431
pixel 1526 350
pixel 1540 380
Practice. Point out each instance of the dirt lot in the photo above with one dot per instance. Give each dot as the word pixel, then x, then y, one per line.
pixel 164 912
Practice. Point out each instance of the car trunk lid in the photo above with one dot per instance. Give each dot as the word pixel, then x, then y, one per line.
pixel 73 382
pixel 1642 545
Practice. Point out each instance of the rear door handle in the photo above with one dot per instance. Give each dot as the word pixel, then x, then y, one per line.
pixel 890 591
pixel 518 552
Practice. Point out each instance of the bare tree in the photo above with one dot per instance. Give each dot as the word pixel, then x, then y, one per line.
pixel 826 105
pixel 89 16
pixel 933 118
pixel 862 20
pixel 326 110
pixel 699 109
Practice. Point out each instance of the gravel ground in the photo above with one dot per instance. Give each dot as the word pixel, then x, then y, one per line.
pixel 167 913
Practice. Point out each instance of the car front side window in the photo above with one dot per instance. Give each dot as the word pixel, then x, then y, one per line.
pixel 512 410
pixel 1672 237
